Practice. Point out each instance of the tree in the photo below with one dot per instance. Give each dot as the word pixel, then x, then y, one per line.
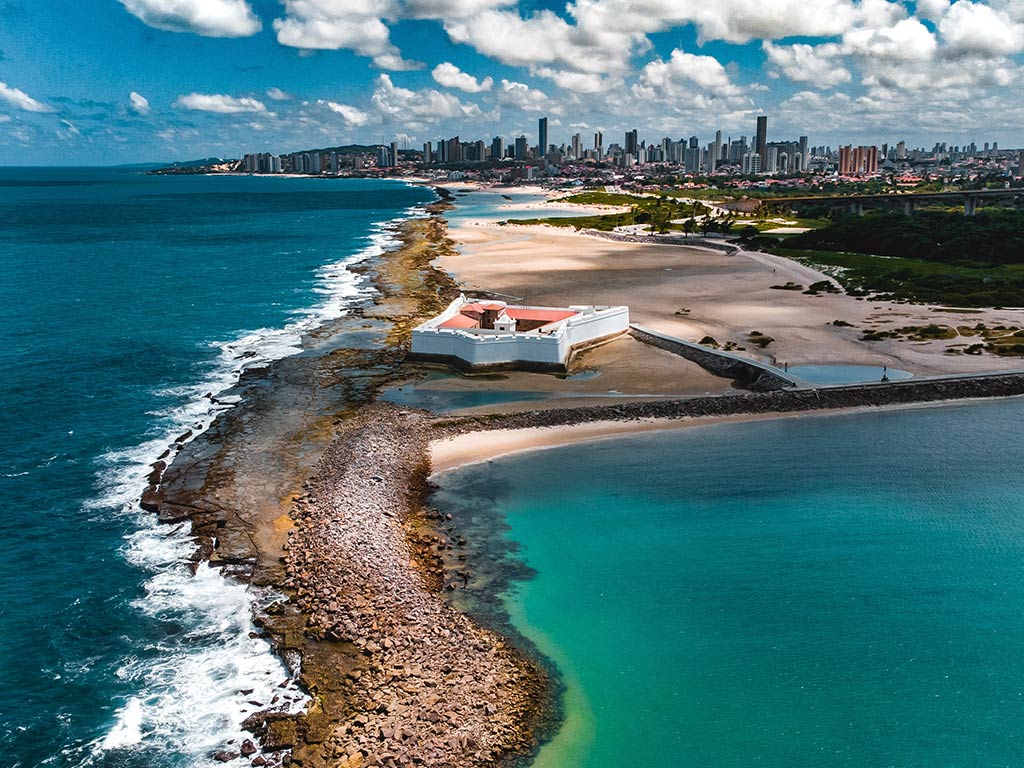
pixel 749 232
pixel 689 226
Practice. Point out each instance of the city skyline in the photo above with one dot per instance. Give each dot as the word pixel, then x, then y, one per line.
pixel 156 80
pixel 758 157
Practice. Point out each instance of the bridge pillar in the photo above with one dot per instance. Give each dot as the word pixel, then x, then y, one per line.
pixel 909 207
pixel 970 205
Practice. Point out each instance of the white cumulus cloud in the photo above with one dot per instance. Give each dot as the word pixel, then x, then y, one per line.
pixel 450 76
pixel 521 96
pixel 353 117
pixel 220 104
pixel 139 103
pixel 427 104
pixel 815 64
pixel 211 18
pixel 342 24
pixel 670 79
pixel 975 28
pixel 278 95
pixel 21 100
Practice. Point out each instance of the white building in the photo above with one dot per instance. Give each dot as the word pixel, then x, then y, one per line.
pixel 479 335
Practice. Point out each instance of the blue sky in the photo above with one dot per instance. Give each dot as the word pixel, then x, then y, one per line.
pixel 118 81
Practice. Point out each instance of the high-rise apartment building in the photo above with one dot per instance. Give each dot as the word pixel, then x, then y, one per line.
pixel 716 153
pixel 497 148
pixel 858 161
pixel 761 137
pixel 521 148
pixel 542 137
pixel 632 143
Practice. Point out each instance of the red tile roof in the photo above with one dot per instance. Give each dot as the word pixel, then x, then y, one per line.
pixel 460 321
pixel 470 314
pixel 547 315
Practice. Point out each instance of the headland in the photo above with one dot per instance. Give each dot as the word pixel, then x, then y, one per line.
pixel 312 488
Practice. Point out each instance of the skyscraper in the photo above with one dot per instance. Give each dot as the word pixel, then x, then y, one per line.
pixel 542 137
pixel 577 147
pixel 521 148
pixel 805 155
pixel 497 148
pixel 716 153
pixel 855 161
pixel 761 138
pixel 631 142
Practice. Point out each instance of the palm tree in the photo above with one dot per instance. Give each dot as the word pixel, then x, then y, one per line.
pixel 689 226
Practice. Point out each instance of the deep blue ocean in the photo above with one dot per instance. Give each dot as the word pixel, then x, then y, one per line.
pixel 124 298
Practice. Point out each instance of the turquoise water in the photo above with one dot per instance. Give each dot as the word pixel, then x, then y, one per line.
pixel 123 300
pixel 493 204
pixel 813 591
pixel 846 374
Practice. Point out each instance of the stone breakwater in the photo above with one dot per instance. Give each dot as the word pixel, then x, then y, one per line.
pixel 747 374
pixel 907 392
pixel 429 686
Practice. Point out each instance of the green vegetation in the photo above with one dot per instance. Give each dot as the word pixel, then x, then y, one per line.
pixel 602 223
pixel 912 280
pixel 934 257
pixel 822 286
pixel 658 212
pixel 1006 341
pixel 992 237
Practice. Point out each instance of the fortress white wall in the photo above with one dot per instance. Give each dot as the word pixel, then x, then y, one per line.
pixel 482 348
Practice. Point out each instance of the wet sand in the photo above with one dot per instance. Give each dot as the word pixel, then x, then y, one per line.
pixel 448 453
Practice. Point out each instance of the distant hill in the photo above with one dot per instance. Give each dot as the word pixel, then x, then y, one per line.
pixel 196 163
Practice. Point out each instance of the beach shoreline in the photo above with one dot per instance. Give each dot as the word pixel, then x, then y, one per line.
pixel 450 452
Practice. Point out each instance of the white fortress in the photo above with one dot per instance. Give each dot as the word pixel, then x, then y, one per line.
pixel 483 334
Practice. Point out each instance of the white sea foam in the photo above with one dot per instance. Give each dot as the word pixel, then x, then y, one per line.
pixel 205 673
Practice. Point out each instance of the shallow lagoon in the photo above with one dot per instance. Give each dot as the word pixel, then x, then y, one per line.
pixel 828 590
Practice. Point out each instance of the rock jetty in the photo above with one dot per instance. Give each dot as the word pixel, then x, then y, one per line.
pixel 430 687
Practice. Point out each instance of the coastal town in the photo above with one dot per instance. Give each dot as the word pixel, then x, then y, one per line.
pixel 726 161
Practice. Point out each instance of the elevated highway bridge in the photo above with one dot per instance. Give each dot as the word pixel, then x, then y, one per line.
pixel 908 202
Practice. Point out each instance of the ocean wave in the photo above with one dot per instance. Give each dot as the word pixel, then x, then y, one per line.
pixel 195 685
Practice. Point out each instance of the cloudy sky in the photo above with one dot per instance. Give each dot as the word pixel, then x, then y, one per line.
pixel 118 81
